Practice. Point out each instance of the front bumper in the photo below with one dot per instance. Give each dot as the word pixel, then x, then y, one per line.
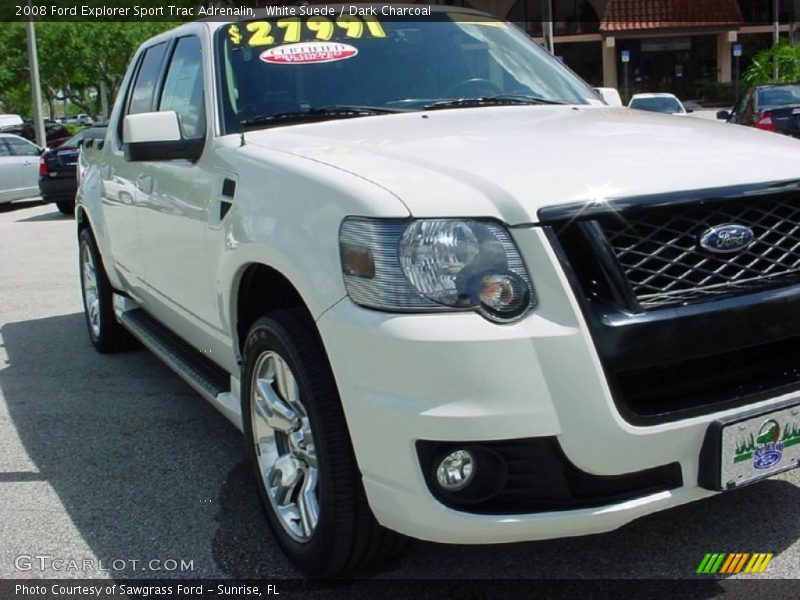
pixel 458 377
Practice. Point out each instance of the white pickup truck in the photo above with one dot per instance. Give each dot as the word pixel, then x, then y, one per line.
pixel 444 290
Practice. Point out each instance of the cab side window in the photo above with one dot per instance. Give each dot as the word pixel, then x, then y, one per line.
pixel 183 87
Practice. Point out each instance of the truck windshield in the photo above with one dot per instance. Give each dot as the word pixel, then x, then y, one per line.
pixel 282 71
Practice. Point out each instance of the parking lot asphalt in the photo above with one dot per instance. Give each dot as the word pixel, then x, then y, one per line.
pixel 114 458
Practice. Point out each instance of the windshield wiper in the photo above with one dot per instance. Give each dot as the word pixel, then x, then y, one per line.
pixel 321 113
pixel 497 99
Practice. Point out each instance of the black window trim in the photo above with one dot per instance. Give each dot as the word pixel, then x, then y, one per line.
pixel 169 43
pixel 224 111
pixel 170 54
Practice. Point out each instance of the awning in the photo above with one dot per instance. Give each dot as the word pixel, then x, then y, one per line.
pixel 646 15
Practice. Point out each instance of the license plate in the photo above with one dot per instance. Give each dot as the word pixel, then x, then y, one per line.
pixel 751 447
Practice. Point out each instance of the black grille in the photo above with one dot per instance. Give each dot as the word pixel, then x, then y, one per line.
pixel 658 249
pixel 682 331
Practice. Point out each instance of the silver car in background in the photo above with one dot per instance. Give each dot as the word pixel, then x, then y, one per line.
pixel 19 168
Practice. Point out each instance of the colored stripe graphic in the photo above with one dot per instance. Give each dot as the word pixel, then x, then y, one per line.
pixel 728 562
pixel 741 562
pixel 759 562
pixel 711 563
pixel 716 565
pixel 703 563
pixel 732 563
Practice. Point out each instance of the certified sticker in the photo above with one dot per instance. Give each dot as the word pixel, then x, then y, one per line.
pixel 304 53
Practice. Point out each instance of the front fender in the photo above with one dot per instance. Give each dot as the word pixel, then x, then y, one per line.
pixel 88 210
pixel 286 215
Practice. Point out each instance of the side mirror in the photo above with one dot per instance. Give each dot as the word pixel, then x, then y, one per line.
pixel 157 136
pixel 723 115
pixel 689 111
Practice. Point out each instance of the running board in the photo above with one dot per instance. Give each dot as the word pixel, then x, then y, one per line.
pixel 210 380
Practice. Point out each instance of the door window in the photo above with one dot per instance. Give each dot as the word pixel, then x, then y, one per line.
pixel 183 87
pixel 4 149
pixel 22 148
pixel 145 86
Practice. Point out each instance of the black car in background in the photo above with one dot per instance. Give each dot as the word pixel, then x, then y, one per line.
pixel 58 179
pixel 769 107
pixel 54 133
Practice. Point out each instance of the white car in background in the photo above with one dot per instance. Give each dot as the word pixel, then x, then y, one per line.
pixel 6 120
pixel 19 168
pixel 660 103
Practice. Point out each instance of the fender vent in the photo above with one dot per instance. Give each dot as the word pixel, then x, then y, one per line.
pixel 228 188
pixel 228 191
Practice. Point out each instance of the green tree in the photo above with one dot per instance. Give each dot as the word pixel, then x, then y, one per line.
pixel 74 59
pixel 761 69
pixel 15 94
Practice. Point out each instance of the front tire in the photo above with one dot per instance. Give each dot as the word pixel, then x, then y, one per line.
pixel 106 333
pixel 302 456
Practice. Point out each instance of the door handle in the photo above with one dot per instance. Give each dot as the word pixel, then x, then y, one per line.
pixel 145 184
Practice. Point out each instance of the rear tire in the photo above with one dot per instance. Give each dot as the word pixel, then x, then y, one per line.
pixel 298 442
pixel 66 207
pixel 105 332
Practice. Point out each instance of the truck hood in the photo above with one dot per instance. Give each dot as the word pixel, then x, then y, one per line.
pixel 508 162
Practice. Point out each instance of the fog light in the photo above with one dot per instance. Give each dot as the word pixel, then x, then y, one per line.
pixel 456 470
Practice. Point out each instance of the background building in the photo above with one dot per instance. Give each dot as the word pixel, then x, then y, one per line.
pixel 682 46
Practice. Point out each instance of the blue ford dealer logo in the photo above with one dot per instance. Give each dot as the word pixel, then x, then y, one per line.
pixel 724 239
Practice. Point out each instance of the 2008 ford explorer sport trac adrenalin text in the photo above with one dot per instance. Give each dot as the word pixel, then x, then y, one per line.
pixel 443 289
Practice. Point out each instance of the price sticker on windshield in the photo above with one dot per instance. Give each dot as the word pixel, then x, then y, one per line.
pixel 291 30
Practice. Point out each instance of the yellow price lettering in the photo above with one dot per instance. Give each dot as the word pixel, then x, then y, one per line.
pixel 235 34
pixel 375 28
pixel 321 26
pixel 292 29
pixel 354 28
pixel 260 31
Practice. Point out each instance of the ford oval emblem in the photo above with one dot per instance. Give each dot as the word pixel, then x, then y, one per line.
pixel 725 239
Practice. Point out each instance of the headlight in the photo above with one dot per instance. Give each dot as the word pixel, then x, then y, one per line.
pixel 435 265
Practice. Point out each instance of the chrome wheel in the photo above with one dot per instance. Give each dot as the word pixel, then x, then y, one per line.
pixel 91 296
pixel 287 460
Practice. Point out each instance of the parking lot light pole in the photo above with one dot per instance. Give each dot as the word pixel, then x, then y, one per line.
pixel 776 35
pixel 36 86
pixel 547 26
